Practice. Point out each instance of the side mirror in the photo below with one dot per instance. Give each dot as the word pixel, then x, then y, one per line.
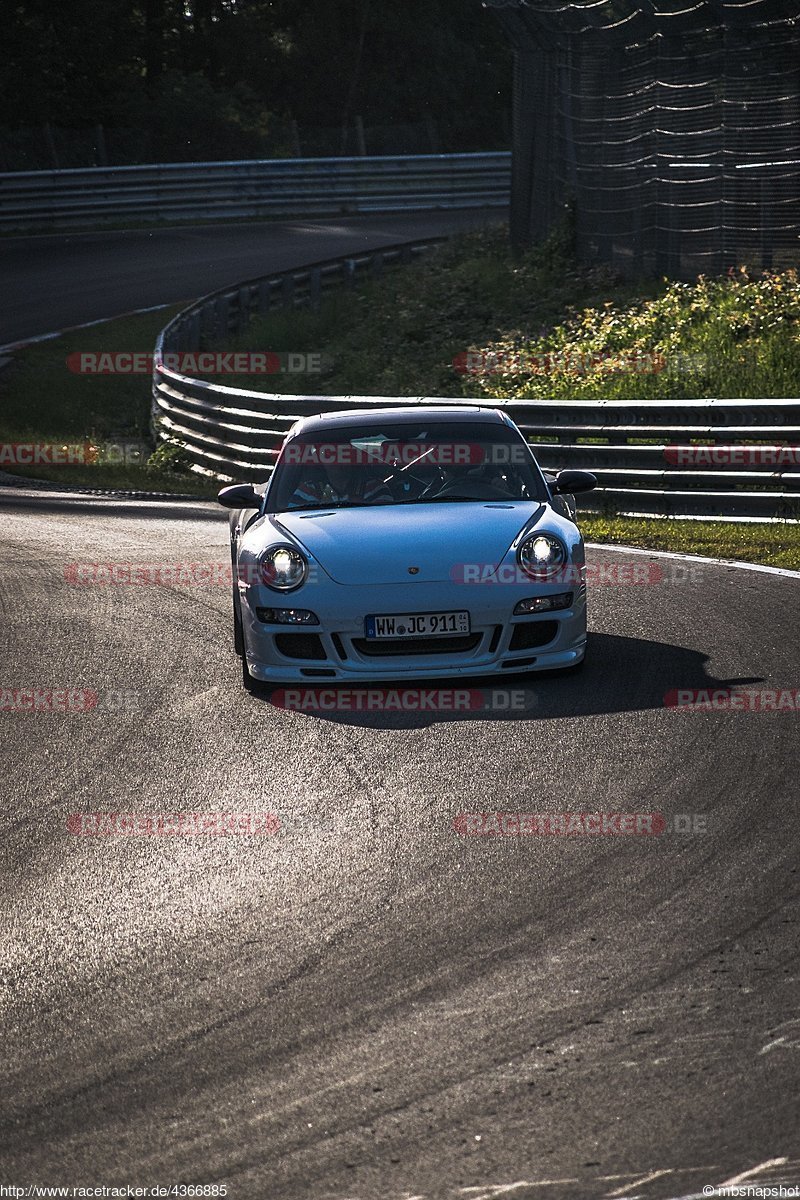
pixel 569 482
pixel 239 495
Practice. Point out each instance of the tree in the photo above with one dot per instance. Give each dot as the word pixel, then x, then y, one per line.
pixel 241 67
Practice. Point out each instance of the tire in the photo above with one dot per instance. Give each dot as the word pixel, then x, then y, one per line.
pixel 238 633
pixel 250 684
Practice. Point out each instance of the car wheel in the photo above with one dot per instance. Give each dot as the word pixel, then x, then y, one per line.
pixel 252 685
pixel 238 634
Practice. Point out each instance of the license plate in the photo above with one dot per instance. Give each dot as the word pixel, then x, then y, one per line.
pixel 414 625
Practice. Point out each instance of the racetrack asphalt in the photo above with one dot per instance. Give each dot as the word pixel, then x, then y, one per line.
pixel 368 1005
pixel 53 281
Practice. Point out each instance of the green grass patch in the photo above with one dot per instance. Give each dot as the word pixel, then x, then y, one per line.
pixel 42 400
pixel 774 545
pixel 556 330
pixel 121 479
pixel 42 396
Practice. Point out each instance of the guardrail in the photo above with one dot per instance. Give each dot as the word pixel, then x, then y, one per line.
pixel 632 448
pixel 253 188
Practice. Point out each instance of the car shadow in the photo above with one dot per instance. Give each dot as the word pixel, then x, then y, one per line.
pixel 621 674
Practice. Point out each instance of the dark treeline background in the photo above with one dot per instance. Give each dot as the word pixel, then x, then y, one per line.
pixel 87 83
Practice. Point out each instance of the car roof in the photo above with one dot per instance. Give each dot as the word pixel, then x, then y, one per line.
pixel 408 414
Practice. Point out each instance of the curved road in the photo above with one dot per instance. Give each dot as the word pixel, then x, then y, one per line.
pixel 52 281
pixel 367 1005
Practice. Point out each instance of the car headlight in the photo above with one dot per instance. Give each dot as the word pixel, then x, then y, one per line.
pixel 284 568
pixel 541 555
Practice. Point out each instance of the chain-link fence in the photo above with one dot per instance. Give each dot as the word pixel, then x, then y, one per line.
pixel 670 130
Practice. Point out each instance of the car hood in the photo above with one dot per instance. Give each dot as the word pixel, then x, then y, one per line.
pixel 361 546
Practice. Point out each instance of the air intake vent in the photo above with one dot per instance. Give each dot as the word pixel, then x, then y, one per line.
pixel 413 646
pixel 300 645
pixel 533 633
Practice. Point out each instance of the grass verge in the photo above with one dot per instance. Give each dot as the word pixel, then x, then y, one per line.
pixel 773 545
pixel 42 400
pixel 542 327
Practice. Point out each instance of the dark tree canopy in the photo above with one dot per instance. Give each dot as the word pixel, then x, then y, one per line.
pixel 185 78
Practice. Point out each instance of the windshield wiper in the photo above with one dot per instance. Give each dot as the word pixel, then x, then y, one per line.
pixel 464 499
pixel 457 499
pixel 334 504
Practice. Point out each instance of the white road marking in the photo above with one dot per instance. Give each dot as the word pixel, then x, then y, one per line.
pixel 696 558
pixel 48 337
pixel 771 1045
pixel 735 1180
pixel 490 1191
pixel 636 1183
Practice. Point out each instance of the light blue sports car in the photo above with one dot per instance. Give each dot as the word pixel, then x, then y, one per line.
pixel 406 543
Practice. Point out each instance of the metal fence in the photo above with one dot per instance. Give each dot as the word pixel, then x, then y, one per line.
pixel 670 132
pixel 253 188
pixel 634 449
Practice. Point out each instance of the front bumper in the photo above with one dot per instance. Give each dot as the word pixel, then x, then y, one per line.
pixel 337 649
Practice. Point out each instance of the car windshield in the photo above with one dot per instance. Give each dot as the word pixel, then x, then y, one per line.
pixel 441 462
